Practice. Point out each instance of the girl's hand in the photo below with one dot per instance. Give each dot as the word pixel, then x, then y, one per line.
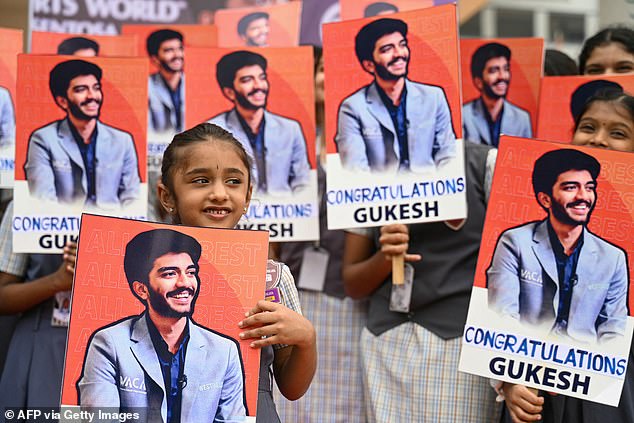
pixel 279 324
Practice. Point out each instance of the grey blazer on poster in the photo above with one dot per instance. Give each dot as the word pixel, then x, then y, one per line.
pixel 55 169
pixel 161 112
pixel 367 141
pixel 287 167
pixel 523 283
pixel 122 371
pixel 515 122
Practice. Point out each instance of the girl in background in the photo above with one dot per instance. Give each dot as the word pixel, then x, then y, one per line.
pixel 610 51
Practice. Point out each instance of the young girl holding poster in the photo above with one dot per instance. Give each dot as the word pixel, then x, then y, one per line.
pixel 606 121
pixel 206 182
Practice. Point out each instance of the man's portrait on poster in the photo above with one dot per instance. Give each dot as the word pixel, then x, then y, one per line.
pixel 491 114
pixel 379 8
pixel 79 159
pixel 276 143
pixel 555 273
pixel 161 360
pixel 393 124
pixel 7 117
pixel 254 29
pixel 166 87
pixel 78 46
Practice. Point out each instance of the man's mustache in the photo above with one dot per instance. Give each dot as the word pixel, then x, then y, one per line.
pixel 180 291
pixel 501 81
pixel 396 59
pixel 258 90
pixel 578 203
pixel 92 100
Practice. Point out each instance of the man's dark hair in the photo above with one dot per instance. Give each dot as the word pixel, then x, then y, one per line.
pixel 583 93
pixel 374 9
pixel 71 45
pixel 550 165
pixel 246 20
pixel 64 72
pixel 231 63
pixel 486 52
pixel 367 37
pixel 146 247
pixel 155 39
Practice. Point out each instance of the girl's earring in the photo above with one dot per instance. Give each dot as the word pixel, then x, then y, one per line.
pixel 171 210
pixel 245 209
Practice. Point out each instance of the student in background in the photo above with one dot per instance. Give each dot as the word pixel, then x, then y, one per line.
pixel 557 63
pixel 35 285
pixel 610 51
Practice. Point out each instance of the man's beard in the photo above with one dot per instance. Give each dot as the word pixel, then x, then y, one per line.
pixel 244 100
pixel 76 111
pixel 488 91
pixel 559 213
pixel 162 307
pixel 166 65
pixel 251 42
pixel 384 73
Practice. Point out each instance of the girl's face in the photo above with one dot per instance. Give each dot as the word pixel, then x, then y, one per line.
pixel 210 187
pixel 606 125
pixel 609 59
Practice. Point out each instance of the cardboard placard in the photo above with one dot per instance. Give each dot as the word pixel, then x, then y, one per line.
pixel 561 328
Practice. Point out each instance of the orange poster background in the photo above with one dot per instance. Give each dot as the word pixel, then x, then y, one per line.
pixel 291 87
pixel 284 21
pixel 527 56
pixel 555 121
pixel 353 9
pixel 433 43
pixel 124 106
pixel 10 47
pixel 101 294
pixel 193 36
pixel 512 202
pixel 109 45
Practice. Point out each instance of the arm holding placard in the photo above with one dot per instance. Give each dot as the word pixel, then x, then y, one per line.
pixel 364 269
pixel 523 403
pixel 17 297
pixel 292 336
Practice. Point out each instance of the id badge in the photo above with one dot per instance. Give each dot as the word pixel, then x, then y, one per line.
pixel 273 295
pixel 312 275
pixel 401 295
pixel 61 309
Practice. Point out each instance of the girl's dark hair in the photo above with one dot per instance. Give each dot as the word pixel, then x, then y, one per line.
pixel 199 133
pixel 557 63
pixel 622 35
pixel 608 95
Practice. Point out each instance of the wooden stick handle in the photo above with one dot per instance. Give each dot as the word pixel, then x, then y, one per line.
pixel 398 269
